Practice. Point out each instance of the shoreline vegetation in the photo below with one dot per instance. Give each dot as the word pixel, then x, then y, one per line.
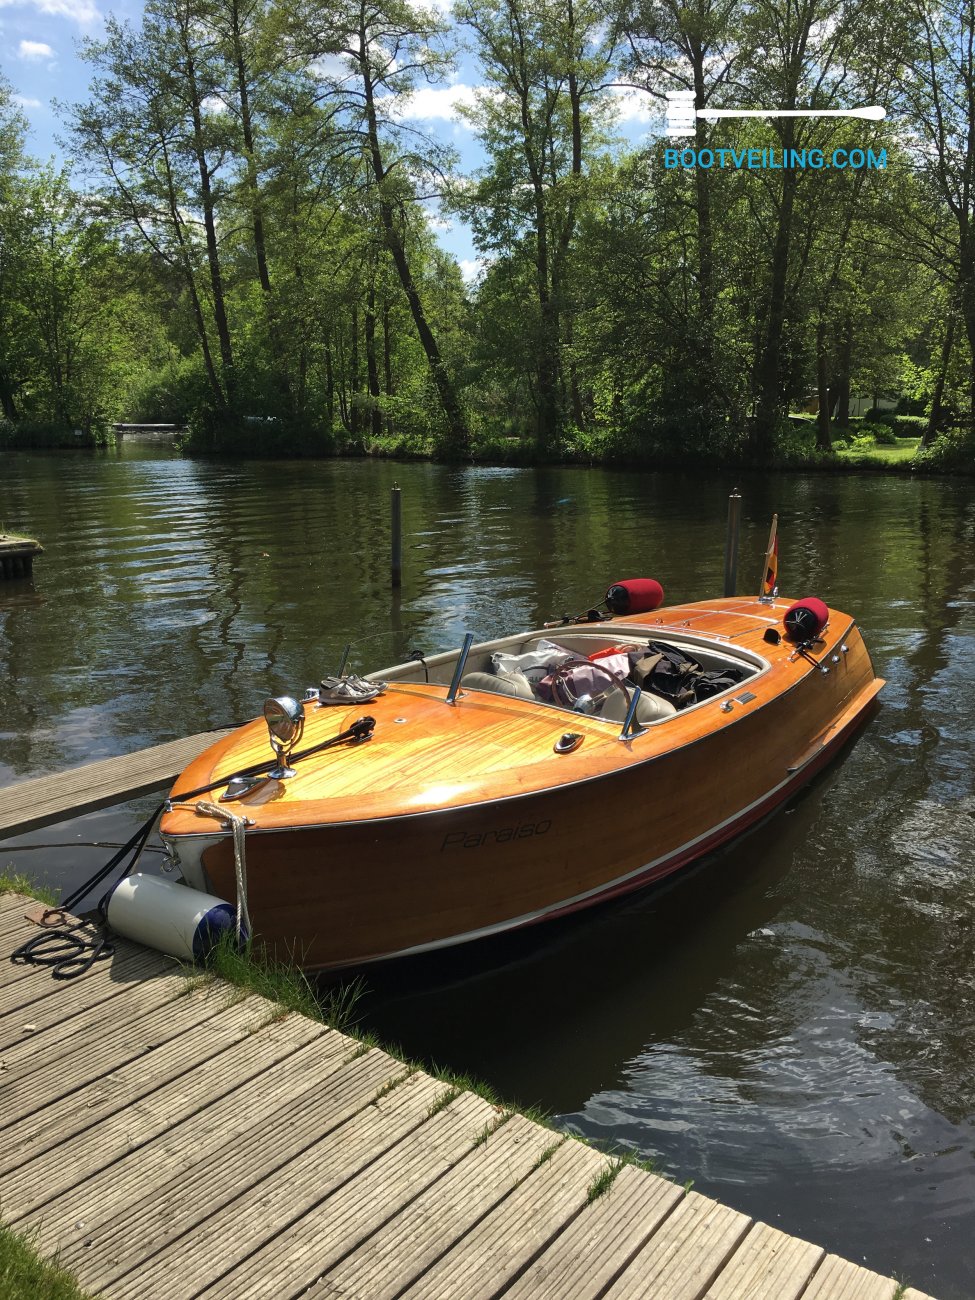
pixel 246 235
pixel 891 445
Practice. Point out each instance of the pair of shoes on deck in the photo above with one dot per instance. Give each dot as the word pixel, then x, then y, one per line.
pixel 348 690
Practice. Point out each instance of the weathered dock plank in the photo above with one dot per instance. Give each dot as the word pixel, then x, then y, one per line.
pixel 23 1089
pixel 115 1198
pixel 413 1241
pixel 596 1247
pixel 839 1279
pixel 509 1238
pixel 320 1238
pixel 17 555
pixel 47 799
pixel 768 1265
pixel 232 1048
pixel 273 1203
pixel 684 1256
pixel 172 1138
pixel 148 1007
pixel 60 1000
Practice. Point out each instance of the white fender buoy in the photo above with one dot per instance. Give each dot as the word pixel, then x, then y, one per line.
pixel 172 918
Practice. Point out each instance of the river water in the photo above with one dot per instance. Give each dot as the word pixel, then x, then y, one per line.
pixel 792 1026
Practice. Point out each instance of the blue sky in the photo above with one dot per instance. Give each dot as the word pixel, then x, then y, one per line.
pixel 38 55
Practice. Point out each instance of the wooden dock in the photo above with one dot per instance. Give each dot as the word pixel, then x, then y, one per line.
pixel 17 555
pixel 173 1137
pixel 148 431
pixel 44 800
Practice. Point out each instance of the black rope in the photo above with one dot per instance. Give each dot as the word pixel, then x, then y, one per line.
pixel 65 951
pixel 360 730
pixel 416 656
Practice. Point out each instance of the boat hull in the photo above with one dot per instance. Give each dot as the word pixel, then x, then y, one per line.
pixel 354 891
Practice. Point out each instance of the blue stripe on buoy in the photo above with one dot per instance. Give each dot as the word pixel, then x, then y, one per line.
pixel 217 921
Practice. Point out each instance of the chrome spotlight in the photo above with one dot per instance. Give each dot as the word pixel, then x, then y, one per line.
pixel 285 720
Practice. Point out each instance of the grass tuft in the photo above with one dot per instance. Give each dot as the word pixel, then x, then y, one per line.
pixel 466 1083
pixel 546 1156
pixel 492 1126
pixel 443 1101
pixel 255 971
pixel 24 1275
pixel 13 882
pixel 605 1179
pixel 392 1084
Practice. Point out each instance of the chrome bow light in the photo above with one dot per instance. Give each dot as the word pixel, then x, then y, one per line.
pixel 285 720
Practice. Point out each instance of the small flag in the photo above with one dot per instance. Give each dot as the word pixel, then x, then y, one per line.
pixel 771 574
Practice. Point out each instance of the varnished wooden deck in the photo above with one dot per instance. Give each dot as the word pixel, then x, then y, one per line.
pixel 171 1137
pixel 44 800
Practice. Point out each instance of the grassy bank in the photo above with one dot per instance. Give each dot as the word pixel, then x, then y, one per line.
pixel 24 1275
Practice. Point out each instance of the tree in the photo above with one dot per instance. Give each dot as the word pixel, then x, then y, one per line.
pixel 13 129
pixel 545 65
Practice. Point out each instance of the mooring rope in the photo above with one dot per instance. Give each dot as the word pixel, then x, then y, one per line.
pixel 238 827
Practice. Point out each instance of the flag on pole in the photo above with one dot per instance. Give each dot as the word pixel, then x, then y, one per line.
pixel 771 573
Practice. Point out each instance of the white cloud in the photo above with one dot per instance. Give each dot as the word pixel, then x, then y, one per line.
pixel 25 101
pixel 472 267
pixel 433 103
pixel 631 105
pixel 83 12
pixel 34 50
pixel 213 104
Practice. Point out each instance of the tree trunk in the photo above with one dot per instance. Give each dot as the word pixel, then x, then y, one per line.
pixel 769 370
pixel 278 351
pixel 7 403
pixel 210 228
pixel 705 237
pixel 355 416
pixel 387 365
pixel 458 438
pixel 329 388
pixel 372 368
pixel 937 397
pixel 824 440
pixel 843 378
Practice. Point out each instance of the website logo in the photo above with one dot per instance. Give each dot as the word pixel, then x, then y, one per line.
pixel 682 114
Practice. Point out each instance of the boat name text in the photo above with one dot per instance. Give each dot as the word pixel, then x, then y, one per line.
pixel 462 840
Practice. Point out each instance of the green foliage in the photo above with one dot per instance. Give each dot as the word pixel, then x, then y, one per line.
pixel 36 435
pixel 903 425
pixel 951 452
pixel 877 434
pixel 25 1275
pixel 249 252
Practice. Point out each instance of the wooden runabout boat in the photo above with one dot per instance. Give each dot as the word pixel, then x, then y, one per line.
pixel 472 806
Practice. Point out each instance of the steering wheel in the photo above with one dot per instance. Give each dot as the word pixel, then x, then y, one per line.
pixel 563 693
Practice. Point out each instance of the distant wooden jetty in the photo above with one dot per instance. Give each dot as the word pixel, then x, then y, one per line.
pixel 169 1135
pixel 148 430
pixel 17 555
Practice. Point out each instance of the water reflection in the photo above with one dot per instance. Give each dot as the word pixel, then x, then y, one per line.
pixel 791 1027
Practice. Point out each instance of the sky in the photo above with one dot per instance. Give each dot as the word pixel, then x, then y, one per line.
pixel 39 42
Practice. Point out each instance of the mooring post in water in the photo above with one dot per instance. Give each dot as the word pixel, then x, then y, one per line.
pixel 731 544
pixel 396 511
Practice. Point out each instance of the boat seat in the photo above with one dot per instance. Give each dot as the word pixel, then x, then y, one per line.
pixel 516 684
pixel 652 708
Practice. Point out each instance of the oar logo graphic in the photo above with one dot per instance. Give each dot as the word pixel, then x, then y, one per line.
pixel 682 114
